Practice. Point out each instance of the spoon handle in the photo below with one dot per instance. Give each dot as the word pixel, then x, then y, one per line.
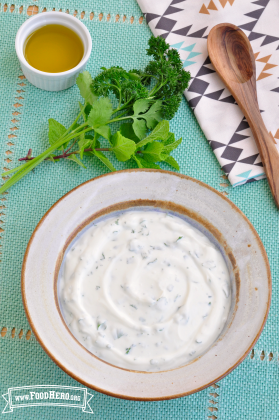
pixel 267 149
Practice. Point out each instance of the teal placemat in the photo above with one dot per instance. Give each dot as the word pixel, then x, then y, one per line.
pixel 251 390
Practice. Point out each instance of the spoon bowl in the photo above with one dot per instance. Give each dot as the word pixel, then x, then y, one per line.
pixel 232 56
pixel 234 49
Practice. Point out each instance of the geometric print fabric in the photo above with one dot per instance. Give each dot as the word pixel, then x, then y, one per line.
pixel 185 24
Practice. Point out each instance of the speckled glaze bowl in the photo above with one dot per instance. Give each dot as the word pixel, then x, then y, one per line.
pixel 202 206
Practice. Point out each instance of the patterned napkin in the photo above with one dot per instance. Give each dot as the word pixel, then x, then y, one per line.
pixel 185 24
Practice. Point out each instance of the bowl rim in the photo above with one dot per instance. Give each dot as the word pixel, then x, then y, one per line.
pixel 121 396
pixel 49 15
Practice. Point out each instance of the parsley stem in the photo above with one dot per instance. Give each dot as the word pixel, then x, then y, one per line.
pixel 157 87
pixel 150 76
pixel 120 98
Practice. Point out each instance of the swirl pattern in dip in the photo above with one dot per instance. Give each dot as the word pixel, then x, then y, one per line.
pixel 144 290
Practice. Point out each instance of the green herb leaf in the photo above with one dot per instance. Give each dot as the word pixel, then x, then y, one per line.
pixel 104 159
pixel 170 147
pixel 164 156
pixel 87 109
pixel 170 139
pixel 172 162
pixel 104 131
pixel 138 161
pixel 152 152
pixel 154 115
pixel 141 106
pixel 55 131
pixel 100 113
pixel 139 128
pixel 84 143
pixel 123 148
pixel 127 131
pixel 84 81
pixel 142 163
pixel 160 132
pixel 75 159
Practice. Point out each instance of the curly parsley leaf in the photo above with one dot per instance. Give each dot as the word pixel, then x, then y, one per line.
pixel 168 72
pixel 125 85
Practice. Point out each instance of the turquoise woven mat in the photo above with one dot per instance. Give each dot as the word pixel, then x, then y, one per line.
pixel 251 391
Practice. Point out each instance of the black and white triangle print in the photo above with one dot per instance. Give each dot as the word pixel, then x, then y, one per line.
pixel 166 22
pixel 200 86
pixel 256 14
pixel 231 154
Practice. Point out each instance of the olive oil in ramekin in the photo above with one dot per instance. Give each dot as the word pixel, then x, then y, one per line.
pixel 53 49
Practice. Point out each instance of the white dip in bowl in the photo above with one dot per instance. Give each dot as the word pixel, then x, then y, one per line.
pixel 144 290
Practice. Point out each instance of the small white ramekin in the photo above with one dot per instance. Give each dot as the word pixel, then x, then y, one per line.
pixel 52 81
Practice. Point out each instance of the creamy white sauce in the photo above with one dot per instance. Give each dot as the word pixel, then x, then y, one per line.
pixel 144 290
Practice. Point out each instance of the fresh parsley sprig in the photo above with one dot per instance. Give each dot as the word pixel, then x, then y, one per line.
pixel 145 101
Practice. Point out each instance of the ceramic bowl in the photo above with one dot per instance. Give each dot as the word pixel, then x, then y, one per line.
pixel 52 81
pixel 206 209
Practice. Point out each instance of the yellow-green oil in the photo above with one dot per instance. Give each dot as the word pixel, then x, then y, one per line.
pixel 53 49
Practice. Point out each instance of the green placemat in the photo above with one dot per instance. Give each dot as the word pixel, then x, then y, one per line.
pixel 251 390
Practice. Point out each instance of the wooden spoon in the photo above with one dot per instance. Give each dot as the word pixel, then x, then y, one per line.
pixel 232 56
